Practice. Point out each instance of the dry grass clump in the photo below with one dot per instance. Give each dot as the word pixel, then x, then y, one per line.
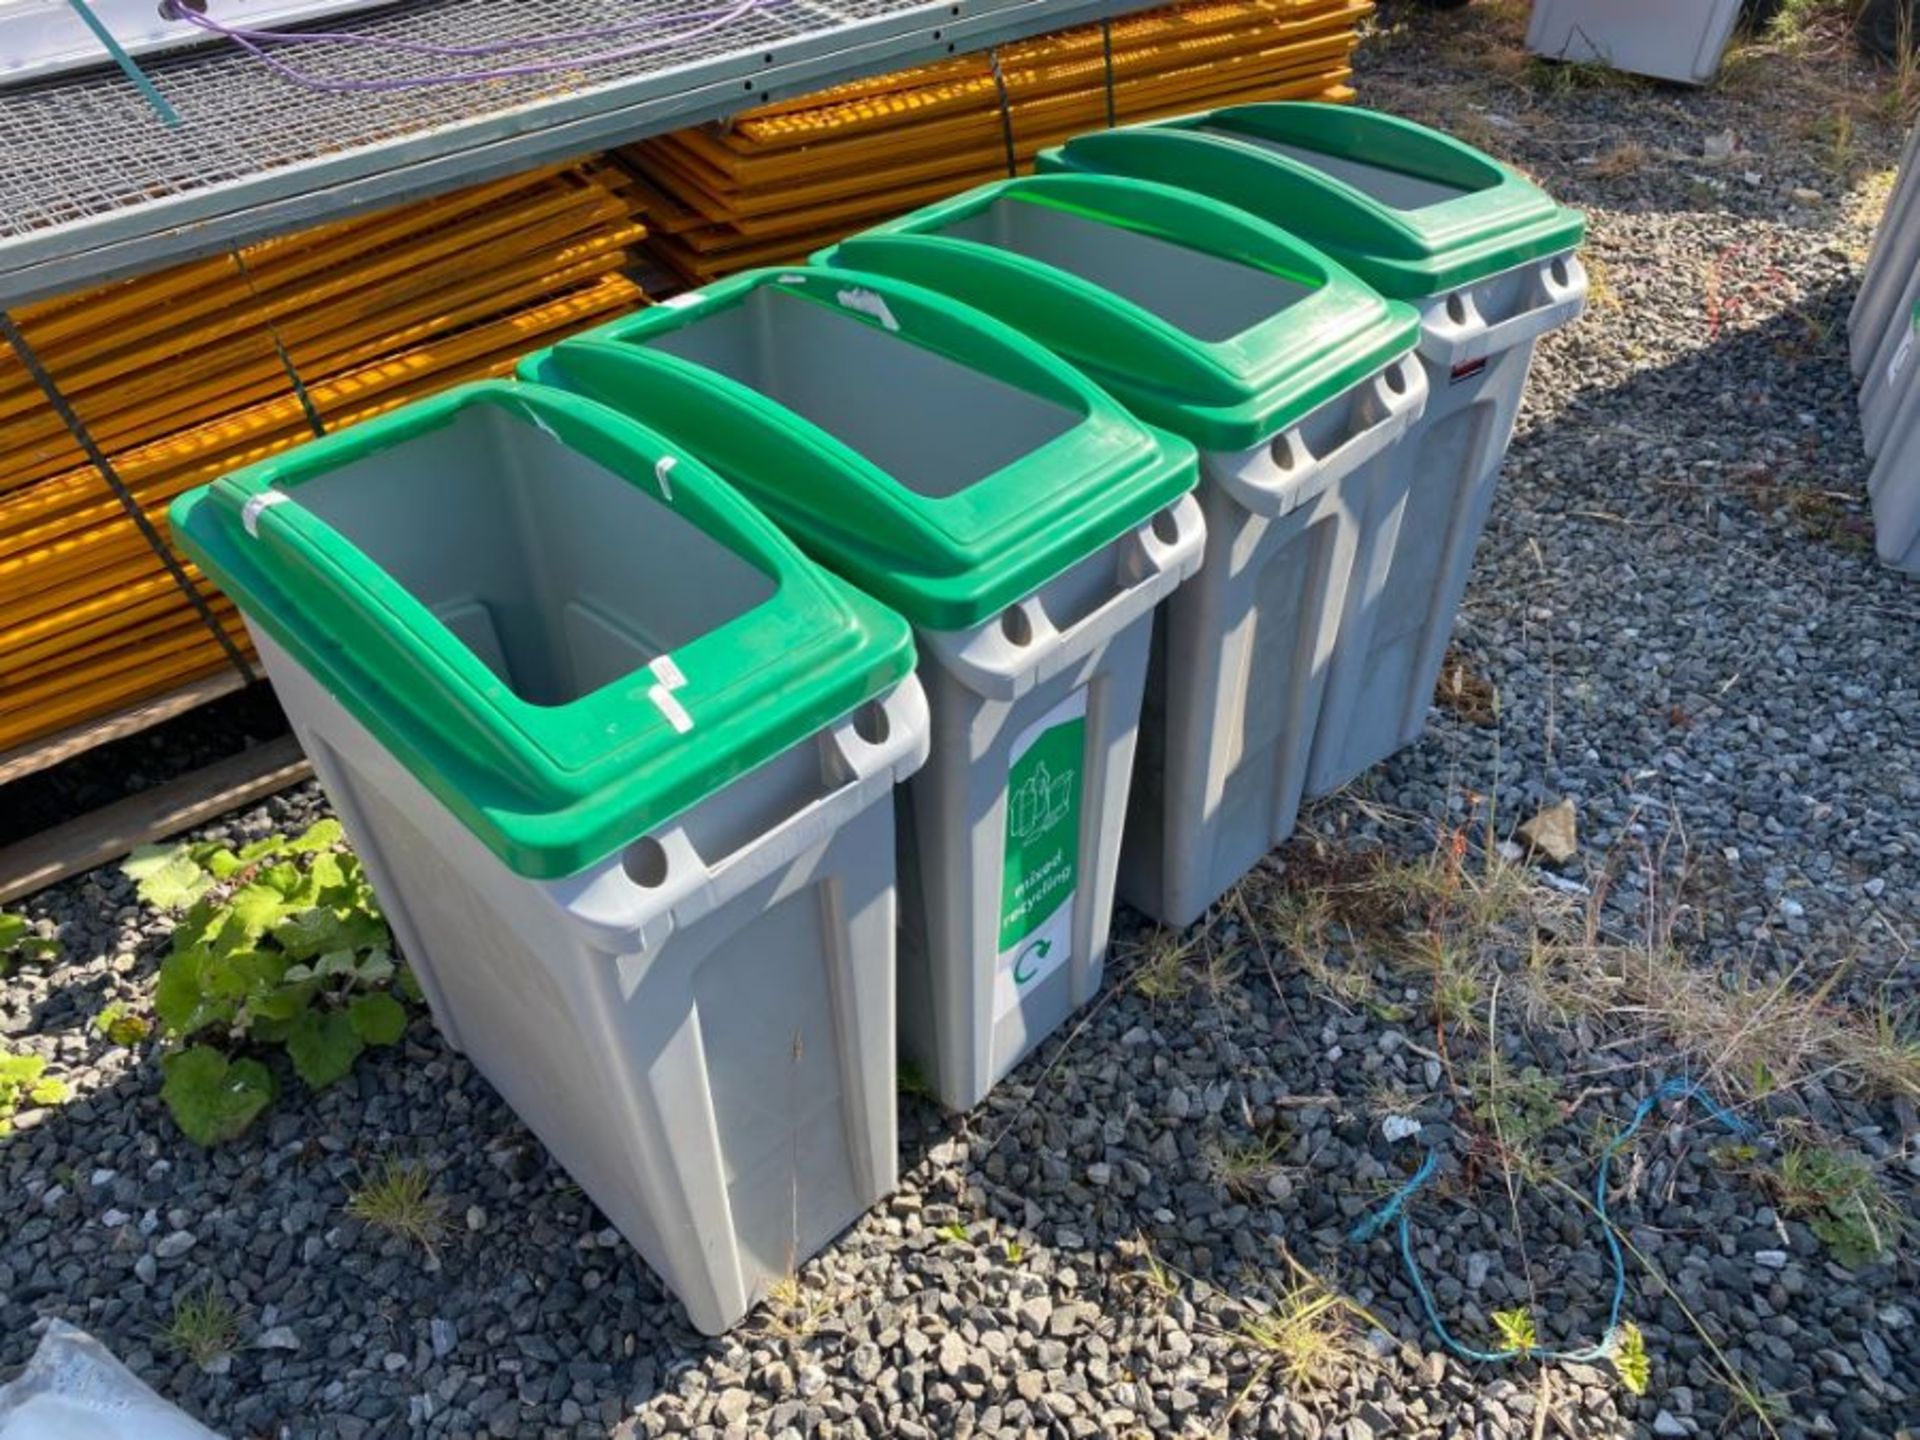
pixel 1750 1036
pixel 1169 964
pixel 1464 922
pixel 1308 1336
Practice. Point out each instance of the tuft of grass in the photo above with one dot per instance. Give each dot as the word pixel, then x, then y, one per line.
pixel 1307 1336
pixel 1162 973
pixel 1300 925
pixel 204 1327
pixel 1518 1107
pixel 1150 1280
pixel 1556 78
pixel 954 1233
pixel 1243 1170
pixel 1515 1329
pixel 1751 1036
pixel 792 1311
pixel 1842 1201
pixel 911 1082
pixel 1627 158
pixel 1834 132
pixel 400 1200
pixel 1172 966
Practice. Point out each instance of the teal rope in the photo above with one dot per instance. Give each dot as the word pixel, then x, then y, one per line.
pixel 1396 1209
pixel 125 61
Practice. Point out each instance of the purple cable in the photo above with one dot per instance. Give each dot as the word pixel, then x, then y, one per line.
pixel 254 42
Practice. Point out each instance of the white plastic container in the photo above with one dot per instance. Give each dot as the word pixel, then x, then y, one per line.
pixel 1680 40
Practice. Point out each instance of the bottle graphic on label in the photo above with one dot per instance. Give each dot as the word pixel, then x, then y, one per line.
pixel 1040 874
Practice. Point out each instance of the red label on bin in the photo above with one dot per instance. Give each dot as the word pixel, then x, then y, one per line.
pixel 1467 370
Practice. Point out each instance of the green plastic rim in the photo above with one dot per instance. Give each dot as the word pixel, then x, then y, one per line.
pixel 946 562
pixel 550 789
pixel 1329 332
pixel 1328 173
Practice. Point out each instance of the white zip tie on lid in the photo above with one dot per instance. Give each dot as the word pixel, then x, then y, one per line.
pixel 668 677
pixel 868 303
pixel 250 512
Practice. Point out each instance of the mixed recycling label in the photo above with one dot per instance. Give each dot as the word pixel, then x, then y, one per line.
pixel 1045 775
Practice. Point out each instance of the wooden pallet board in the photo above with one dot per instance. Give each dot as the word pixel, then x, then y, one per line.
pixel 180 804
pixel 63 745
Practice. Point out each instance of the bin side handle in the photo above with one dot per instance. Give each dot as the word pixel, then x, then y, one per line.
pixel 664 883
pixel 1287 473
pixel 1454 339
pixel 1012 652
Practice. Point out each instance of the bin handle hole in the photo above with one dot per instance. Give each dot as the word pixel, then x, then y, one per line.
pixel 1558 270
pixel 1456 309
pixel 1396 379
pixel 1166 529
pixel 645 862
pixel 1016 625
pixel 1282 451
pixel 871 724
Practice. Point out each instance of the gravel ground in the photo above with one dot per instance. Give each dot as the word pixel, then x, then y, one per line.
pixel 1144 1232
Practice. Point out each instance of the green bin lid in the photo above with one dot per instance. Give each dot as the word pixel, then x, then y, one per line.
pixel 933 456
pixel 548 787
pixel 1409 210
pixel 1200 317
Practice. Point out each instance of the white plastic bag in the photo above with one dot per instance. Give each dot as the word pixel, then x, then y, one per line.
pixel 73 1389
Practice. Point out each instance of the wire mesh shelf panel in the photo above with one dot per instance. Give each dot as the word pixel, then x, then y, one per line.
pixel 86 164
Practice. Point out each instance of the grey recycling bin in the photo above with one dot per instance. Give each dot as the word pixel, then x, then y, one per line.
pixel 1485 256
pixel 1679 40
pixel 1894 486
pixel 1295 382
pixel 1891 262
pixel 620 762
pixel 1025 524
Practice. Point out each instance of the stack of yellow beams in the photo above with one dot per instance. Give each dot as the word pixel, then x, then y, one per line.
pixel 183 374
pixel 786 178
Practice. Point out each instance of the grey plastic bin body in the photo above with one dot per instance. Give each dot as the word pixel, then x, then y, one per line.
pixel 1489 263
pixel 1679 40
pixel 714 1065
pixel 1476 346
pixel 961 1023
pixel 1890 263
pixel 1082 655
pixel 699 1027
pixel 1883 385
pixel 1296 559
pixel 1894 485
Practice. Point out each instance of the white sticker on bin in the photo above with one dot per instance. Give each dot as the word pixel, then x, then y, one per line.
pixel 683 299
pixel 250 512
pixel 868 303
pixel 675 712
pixel 666 671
